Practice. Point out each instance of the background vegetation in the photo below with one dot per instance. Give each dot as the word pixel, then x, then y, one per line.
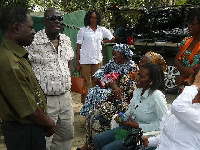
pixel 103 6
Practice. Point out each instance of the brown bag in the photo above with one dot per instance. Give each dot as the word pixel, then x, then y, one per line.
pixel 78 85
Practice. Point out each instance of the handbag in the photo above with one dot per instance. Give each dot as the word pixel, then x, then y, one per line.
pixel 134 140
pixel 78 85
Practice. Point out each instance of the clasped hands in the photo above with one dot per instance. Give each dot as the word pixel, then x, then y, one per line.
pixel 132 123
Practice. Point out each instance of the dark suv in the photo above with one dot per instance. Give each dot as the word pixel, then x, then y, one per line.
pixel 161 30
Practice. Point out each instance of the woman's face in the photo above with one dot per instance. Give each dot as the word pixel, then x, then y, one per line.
pixel 93 19
pixel 194 27
pixel 144 60
pixel 117 56
pixel 143 79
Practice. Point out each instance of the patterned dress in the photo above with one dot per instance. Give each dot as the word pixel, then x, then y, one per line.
pixel 185 57
pixel 98 94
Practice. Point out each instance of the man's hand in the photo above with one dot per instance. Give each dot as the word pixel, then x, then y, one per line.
pixel 50 130
pixel 41 118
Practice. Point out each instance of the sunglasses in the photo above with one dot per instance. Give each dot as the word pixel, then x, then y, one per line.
pixel 54 18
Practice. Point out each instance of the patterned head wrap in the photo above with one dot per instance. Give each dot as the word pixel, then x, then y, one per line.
pixel 124 49
pixel 157 59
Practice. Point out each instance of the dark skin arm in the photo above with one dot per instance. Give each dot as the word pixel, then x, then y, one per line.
pixel 117 91
pixel 132 123
pixel 78 57
pixel 70 64
pixel 185 72
pixel 109 41
pixel 41 118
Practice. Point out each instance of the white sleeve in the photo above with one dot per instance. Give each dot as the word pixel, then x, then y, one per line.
pixel 107 34
pixel 80 36
pixel 183 110
pixel 153 141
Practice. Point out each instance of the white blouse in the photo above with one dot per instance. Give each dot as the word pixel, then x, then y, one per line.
pixel 90 52
pixel 147 109
pixel 181 127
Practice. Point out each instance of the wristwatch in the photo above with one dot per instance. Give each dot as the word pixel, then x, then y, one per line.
pixel 196 87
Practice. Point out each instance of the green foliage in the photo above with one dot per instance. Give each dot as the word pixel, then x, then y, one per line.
pixel 193 2
pixel 5 3
pixel 103 6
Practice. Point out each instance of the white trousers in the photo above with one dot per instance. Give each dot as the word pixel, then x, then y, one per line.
pixel 60 110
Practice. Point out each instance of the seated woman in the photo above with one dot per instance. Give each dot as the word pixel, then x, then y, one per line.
pixel 121 64
pixel 180 127
pixel 147 107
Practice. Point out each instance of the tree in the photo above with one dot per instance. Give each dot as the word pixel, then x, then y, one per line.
pixel 22 3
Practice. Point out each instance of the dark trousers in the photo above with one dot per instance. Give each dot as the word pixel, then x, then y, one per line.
pixel 23 136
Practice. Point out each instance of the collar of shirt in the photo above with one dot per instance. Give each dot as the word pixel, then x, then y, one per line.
pixel 88 27
pixel 15 48
pixel 41 37
pixel 146 93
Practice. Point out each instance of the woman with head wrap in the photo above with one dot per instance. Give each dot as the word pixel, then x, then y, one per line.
pixel 154 58
pixel 117 67
pixel 110 87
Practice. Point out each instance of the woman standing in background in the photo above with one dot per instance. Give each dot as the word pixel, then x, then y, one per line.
pixel 89 46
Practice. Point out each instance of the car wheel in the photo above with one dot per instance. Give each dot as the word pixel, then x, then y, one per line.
pixel 170 77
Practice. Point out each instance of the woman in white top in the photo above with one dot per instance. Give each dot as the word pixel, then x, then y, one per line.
pixel 89 46
pixel 181 127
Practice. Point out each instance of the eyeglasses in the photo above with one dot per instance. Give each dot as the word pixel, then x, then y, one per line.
pixel 54 18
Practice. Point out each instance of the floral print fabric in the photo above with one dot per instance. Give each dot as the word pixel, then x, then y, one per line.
pixel 51 65
pixel 97 94
pixel 185 57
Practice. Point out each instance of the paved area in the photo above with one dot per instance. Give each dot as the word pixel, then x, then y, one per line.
pixel 79 121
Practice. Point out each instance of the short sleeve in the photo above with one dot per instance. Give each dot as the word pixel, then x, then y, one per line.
pixel 80 36
pixel 18 92
pixel 107 34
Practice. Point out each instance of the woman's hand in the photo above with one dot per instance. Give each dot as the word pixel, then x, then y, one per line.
pixel 197 80
pixel 95 81
pixel 145 141
pixel 132 123
pixel 118 92
pixel 180 79
pixel 117 119
pixel 188 72
pixel 196 68
pixel 78 67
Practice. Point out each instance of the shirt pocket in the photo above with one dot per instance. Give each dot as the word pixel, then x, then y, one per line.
pixel 88 36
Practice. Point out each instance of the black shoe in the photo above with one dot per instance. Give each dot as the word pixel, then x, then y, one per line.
pixel 78 149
